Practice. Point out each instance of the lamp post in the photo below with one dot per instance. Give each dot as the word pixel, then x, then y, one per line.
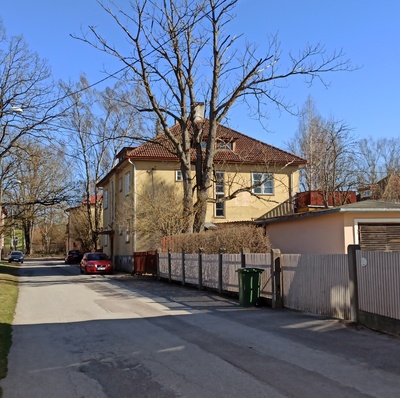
pixel 9 111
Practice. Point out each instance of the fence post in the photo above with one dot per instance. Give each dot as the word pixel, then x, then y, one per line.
pixel 200 269
pixel 353 286
pixel 220 259
pixel 276 278
pixel 158 263
pixel 183 267
pixel 169 265
pixel 243 257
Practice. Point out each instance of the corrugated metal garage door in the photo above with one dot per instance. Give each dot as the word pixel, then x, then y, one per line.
pixel 379 237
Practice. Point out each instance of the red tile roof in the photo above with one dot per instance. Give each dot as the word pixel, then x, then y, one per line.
pixel 245 149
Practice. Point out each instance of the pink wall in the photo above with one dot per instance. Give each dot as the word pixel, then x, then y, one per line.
pixel 323 233
pixel 313 234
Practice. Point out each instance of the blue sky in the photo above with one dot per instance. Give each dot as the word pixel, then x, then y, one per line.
pixel 367 100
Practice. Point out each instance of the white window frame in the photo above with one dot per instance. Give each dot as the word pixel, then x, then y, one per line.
pixel 105 199
pixel 225 145
pixel 127 183
pixel 267 187
pixel 178 175
pixel 219 192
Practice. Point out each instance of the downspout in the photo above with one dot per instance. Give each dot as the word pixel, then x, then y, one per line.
pixel 291 195
pixel 134 204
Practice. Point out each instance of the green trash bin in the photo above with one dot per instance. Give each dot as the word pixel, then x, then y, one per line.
pixel 249 285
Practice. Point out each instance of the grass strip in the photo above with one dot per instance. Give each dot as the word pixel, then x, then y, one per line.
pixel 8 302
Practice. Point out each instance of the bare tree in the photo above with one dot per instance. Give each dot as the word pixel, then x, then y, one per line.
pixel 181 52
pixel 80 227
pixel 162 216
pixel 331 151
pixel 39 184
pixel 50 227
pixel 379 168
pixel 28 102
pixel 99 125
pixel 379 158
pixel 370 161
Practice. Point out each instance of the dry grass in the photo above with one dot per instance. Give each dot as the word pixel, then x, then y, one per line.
pixel 8 300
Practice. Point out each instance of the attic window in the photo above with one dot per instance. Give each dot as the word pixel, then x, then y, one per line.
pixel 225 145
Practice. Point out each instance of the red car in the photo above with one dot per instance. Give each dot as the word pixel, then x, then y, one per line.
pixel 96 263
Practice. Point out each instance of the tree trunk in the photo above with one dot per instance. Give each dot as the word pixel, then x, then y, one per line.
pixel 28 229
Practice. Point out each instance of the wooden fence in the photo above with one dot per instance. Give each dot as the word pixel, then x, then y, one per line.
pixel 214 271
pixel 317 284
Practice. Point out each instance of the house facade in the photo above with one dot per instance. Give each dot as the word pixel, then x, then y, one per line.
pixel 261 176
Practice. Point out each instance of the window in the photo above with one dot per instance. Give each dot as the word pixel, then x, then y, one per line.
pixel 263 183
pixel 219 193
pixel 105 199
pixel 127 183
pixel 127 236
pixel 120 184
pixel 178 175
pixel 226 145
pixel 105 241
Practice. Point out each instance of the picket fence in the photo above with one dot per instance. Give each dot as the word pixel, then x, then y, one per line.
pixel 185 269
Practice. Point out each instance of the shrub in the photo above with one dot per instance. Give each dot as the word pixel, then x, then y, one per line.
pixel 231 239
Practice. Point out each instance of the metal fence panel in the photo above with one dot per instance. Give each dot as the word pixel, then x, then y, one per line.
pixel 378 280
pixel 317 284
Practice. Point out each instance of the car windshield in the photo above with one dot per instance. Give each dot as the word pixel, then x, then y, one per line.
pixel 16 253
pixel 97 256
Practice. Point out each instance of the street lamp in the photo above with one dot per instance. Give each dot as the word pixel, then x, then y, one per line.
pixel 11 110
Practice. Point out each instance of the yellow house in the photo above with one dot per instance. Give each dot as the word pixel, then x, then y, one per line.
pixel 258 176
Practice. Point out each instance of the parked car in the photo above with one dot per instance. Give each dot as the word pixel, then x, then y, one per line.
pixel 16 256
pixel 73 257
pixel 96 263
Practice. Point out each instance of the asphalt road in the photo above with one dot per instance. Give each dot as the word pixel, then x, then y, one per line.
pixel 118 336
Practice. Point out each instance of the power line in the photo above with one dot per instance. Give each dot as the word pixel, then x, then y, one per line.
pixel 133 63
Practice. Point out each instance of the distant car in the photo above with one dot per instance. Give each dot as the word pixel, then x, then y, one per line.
pixel 73 257
pixel 96 263
pixel 16 256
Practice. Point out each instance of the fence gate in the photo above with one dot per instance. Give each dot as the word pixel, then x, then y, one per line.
pixel 145 263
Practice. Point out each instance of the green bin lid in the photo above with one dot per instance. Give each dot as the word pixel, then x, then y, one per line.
pixel 250 269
